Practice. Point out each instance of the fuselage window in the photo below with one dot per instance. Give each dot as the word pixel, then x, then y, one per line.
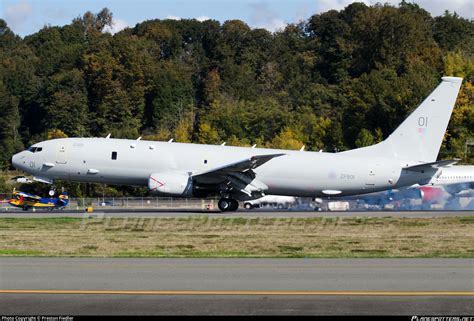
pixel 114 155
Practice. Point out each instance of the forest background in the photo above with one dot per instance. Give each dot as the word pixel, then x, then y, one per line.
pixel 339 80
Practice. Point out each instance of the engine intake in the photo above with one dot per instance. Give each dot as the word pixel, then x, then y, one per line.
pixel 170 183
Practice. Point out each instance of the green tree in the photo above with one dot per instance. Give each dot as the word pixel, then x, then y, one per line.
pixel 459 65
pixel 288 138
pixel 9 123
pixel 4 188
pixel 461 125
pixel 365 138
pixel 208 135
pixel 66 104
pixel 452 31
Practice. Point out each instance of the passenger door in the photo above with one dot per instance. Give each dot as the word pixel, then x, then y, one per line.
pixel 61 153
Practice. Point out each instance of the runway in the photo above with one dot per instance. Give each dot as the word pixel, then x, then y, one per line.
pixel 236 286
pixel 242 213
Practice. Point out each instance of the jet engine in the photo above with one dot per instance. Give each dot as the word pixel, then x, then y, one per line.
pixel 170 183
pixel 432 194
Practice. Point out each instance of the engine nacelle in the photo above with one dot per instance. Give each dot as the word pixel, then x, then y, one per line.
pixel 432 194
pixel 170 183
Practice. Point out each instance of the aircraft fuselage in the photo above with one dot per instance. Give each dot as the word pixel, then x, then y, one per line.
pixel 131 162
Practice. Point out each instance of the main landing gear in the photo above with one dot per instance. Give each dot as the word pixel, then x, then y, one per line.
pixel 228 204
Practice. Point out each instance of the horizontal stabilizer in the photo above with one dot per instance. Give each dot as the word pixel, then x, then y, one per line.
pixel 432 165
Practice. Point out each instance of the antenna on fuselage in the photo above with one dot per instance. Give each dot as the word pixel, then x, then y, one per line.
pixel 254 145
pixel 108 136
pixel 171 140
pixel 139 138
pixel 223 144
pixel 302 149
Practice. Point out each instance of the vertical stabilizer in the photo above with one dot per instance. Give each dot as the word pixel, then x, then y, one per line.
pixel 419 137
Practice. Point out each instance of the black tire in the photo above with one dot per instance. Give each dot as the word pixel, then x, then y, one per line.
pixel 248 206
pixel 234 205
pixel 224 204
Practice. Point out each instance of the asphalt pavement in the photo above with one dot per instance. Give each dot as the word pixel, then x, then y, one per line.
pixel 236 286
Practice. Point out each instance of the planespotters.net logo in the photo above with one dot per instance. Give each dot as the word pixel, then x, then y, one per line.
pixel 416 318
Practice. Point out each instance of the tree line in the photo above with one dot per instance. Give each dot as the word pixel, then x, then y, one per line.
pixel 339 80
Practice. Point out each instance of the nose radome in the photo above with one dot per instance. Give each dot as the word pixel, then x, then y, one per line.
pixel 16 159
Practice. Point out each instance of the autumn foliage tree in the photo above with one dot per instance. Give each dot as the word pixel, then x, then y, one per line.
pixel 341 79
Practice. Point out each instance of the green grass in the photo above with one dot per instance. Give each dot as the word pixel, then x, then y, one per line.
pixel 238 237
pixel 13 252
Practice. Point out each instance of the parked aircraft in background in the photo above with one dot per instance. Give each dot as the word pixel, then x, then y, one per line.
pixel 449 182
pixel 407 157
pixel 27 201
pixel 454 179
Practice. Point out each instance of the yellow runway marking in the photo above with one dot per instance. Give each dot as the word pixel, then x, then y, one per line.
pixel 355 293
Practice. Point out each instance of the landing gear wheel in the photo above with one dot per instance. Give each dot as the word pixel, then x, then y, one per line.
pixel 228 204
pixel 248 206
pixel 224 204
pixel 234 205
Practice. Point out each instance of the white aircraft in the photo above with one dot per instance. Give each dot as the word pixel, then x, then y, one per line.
pixel 448 182
pixel 453 181
pixel 406 157
pixel 454 175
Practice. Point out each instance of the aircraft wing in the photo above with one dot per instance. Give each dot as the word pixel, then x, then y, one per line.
pixel 29 196
pixel 237 176
pixel 237 167
pixel 432 165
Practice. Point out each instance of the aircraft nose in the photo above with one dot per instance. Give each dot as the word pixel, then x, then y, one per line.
pixel 18 160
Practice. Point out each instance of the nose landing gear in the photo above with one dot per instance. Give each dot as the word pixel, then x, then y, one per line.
pixel 228 204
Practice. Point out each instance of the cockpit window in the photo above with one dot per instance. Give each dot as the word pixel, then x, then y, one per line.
pixel 35 149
